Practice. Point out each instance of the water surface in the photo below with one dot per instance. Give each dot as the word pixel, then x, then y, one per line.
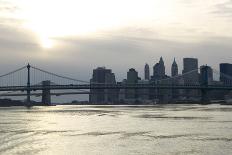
pixel 114 130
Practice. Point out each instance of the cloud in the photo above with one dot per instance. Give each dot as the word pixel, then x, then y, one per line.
pixel 223 9
pixel 7 7
pixel 120 51
pixel 16 39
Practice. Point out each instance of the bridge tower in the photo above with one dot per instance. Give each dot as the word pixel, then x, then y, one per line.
pixel 205 75
pixel 28 86
pixel 46 95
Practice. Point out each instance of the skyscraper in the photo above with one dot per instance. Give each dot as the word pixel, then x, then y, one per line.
pixel 161 67
pixel 226 73
pixel 206 75
pixel 132 78
pixel 174 68
pixel 100 75
pixel 159 70
pixel 159 74
pixel 190 71
pixel 174 73
pixel 191 76
pixel 146 72
pixel 190 64
pixel 111 95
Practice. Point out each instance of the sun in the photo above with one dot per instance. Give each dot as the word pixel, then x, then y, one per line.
pixel 50 19
pixel 46 43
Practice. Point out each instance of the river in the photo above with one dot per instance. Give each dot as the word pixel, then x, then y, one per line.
pixel 117 130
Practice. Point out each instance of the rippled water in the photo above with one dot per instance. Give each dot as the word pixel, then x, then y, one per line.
pixel 108 130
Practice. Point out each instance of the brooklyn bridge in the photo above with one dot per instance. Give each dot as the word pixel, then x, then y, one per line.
pixel 28 80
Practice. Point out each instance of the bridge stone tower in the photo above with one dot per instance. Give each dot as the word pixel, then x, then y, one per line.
pixel 205 78
pixel 46 95
pixel 28 103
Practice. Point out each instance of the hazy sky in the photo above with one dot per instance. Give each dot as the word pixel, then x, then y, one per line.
pixel 72 37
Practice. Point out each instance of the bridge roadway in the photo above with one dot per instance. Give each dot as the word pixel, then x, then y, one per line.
pixel 75 93
pixel 115 86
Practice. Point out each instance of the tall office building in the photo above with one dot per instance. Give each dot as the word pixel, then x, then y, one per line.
pixel 132 78
pixel 159 70
pixel 190 71
pixel 111 95
pixel 101 75
pixel 206 75
pixel 174 69
pixel 159 74
pixel 190 64
pixel 226 73
pixel 146 72
pixel 191 76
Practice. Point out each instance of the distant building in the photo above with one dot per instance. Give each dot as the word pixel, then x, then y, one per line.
pixel 132 78
pixel 191 76
pixel 226 73
pixel 206 75
pixel 101 75
pixel 159 70
pixel 174 73
pixel 226 77
pixel 146 72
pixel 174 69
pixel 111 95
pixel 190 64
pixel 159 95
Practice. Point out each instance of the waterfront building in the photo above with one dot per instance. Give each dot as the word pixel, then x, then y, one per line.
pixel 226 77
pixel 101 75
pixel 132 78
pixel 226 73
pixel 159 74
pixel 191 76
pixel 206 74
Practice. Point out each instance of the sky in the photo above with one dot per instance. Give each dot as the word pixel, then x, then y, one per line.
pixel 72 37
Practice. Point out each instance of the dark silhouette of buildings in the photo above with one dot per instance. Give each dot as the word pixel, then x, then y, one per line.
pixel 190 76
pixel 225 73
pixel 190 66
pixel 158 75
pixel 132 78
pixel 102 75
pixel 226 78
pixel 175 81
pixel 174 68
pixel 206 75
pixel 159 70
pixel 146 72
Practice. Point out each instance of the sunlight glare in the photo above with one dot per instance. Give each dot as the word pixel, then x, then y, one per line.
pixel 53 18
pixel 46 43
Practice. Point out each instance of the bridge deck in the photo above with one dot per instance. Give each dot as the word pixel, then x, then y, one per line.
pixel 115 86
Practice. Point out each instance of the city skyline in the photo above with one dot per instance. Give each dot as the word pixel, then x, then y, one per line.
pixel 174 70
pixel 192 75
pixel 141 69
